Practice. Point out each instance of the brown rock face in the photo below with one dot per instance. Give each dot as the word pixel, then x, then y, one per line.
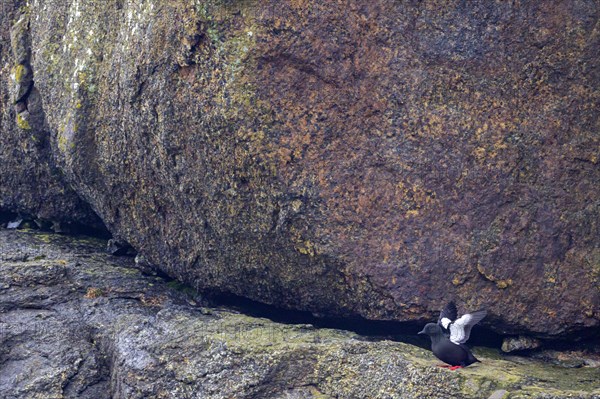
pixel 350 158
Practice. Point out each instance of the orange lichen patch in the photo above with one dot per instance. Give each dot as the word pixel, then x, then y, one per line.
pixel 500 283
pixel 412 213
pixel 303 246
pixel 153 300
pixel 479 153
pixel 306 248
pixel 299 4
pixel 93 293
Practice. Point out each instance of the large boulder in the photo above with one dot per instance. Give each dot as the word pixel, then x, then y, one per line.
pixel 371 159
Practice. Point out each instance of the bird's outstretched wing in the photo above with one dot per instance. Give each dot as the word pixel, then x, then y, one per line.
pixel 447 316
pixel 460 329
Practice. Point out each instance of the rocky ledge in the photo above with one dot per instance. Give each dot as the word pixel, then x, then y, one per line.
pixel 76 322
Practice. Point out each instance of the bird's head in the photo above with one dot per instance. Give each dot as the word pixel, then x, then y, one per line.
pixel 431 329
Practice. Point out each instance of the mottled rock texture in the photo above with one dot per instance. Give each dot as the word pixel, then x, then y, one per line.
pixel 520 343
pixel 78 323
pixel 372 158
pixel 30 181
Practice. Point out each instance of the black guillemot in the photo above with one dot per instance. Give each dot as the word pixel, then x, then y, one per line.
pixel 449 334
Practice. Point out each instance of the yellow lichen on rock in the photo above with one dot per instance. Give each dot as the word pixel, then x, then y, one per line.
pixel 22 122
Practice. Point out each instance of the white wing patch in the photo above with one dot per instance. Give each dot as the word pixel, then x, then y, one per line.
pixel 445 322
pixel 461 328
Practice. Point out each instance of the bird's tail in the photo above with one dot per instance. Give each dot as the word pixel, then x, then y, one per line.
pixel 473 359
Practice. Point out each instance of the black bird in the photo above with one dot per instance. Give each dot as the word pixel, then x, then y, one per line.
pixel 449 335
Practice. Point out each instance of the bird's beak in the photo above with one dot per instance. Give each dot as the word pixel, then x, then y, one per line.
pixel 421 332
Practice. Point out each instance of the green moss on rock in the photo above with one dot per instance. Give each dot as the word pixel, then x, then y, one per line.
pixel 19 72
pixel 22 122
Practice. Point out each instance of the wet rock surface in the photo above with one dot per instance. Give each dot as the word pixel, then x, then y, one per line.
pixel 76 322
pixel 345 158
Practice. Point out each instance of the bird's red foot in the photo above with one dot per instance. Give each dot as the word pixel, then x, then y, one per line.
pixel 455 368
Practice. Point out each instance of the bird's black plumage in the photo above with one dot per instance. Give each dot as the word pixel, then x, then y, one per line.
pixel 450 347
pixel 447 315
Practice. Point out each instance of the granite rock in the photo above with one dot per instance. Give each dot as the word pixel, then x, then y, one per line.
pixel 371 159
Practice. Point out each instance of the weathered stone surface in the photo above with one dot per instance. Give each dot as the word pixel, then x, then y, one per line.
pixel 520 343
pixel 352 158
pixel 30 181
pixel 78 323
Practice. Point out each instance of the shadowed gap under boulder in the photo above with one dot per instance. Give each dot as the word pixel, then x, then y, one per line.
pixel 27 220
